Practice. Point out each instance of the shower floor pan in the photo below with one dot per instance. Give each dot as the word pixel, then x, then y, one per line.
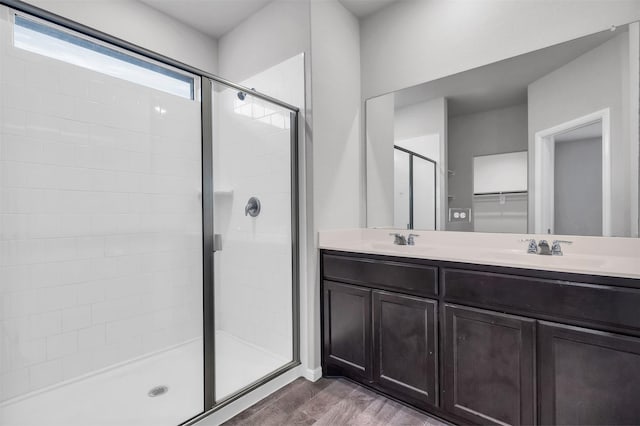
pixel 120 396
pixel 160 390
pixel 240 363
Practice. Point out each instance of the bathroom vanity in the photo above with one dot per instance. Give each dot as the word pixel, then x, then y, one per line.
pixel 484 342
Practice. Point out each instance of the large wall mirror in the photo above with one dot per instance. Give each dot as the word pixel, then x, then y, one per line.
pixel 546 143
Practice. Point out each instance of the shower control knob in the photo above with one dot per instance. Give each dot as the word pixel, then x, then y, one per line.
pixel 253 207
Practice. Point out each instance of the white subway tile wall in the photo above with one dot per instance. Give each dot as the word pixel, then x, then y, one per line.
pixel 100 220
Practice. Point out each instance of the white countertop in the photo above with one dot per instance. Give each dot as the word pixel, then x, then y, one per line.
pixel 607 256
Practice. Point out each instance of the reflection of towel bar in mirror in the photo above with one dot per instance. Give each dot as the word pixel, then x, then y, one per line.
pixel 494 194
pixel 497 214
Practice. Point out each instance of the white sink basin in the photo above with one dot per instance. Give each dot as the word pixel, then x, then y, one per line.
pixel 568 260
pixel 399 249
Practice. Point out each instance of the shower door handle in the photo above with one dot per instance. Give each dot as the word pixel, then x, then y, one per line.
pixel 217 242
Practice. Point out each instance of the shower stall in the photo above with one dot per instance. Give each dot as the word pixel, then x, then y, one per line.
pixel 148 231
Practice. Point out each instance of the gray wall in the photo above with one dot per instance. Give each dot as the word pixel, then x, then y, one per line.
pixel 578 187
pixel 594 81
pixel 273 34
pixel 337 122
pixel 338 151
pixel 490 132
pixel 413 41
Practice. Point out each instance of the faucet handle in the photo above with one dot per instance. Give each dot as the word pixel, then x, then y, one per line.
pixel 533 247
pixel 399 239
pixel 556 248
pixel 543 245
pixel 410 239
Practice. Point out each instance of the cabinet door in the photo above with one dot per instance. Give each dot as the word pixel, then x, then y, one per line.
pixel 347 330
pixel 405 349
pixel 588 377
pixel 489 366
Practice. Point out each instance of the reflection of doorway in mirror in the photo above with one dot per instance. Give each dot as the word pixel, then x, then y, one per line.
pixel 414 190
pixel 573 177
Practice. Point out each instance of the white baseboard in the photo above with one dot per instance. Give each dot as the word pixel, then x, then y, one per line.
pixel 312 375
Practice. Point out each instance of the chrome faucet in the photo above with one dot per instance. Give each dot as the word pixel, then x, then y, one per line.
pixel 399 240
pixel 411 239
pixel 556 249
pixel 543 247
pixel 545 250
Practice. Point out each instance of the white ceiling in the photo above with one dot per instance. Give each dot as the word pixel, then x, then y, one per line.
pixel 363 8
pixel 212 17
pixel 217 17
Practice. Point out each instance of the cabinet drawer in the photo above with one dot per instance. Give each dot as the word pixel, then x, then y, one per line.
pixel 412 278
pixel 602 306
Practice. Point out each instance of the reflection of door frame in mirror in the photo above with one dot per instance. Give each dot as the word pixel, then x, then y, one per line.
pixel 544 170
pixel 413 154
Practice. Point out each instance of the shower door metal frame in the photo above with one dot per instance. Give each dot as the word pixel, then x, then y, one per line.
pixel 208 210
pixel 207 80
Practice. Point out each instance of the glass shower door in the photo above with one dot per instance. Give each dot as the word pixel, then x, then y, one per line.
pixel 254 233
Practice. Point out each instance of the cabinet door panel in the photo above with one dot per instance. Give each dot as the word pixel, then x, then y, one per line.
pixel 489 366
pixel 347 328
pixel 405 349
pixel 588 377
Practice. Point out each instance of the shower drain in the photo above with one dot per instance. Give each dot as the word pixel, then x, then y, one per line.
pixel 157 391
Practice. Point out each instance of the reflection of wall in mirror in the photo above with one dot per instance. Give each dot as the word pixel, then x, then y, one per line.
pixel 596 80
pixel 484 133
pixel 411 42
pixel 419 127
pixel 422 128
pixel 427 146
pixel 415 182
pixel 380 161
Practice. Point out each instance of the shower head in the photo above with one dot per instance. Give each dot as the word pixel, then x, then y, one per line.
pixel 242 95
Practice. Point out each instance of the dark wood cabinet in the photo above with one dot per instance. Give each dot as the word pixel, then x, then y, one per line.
pixel 588 377
pixel 489 366
pixel 600 305
pixel 478 344
pixel 347 329
pixel 405 360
